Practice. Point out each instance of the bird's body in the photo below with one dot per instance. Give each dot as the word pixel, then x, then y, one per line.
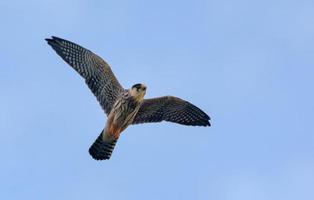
pixel 123 107
pixel 120 117
pixel 122 114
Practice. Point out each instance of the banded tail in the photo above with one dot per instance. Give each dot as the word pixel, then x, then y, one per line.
pixel 102 148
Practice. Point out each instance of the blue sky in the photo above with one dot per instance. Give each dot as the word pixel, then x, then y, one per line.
pixel 248 64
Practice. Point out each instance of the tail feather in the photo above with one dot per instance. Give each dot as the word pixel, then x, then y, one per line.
pixel 102 148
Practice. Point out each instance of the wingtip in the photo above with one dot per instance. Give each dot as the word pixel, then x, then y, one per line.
pixel 204 123
pixel 56 38
pixel 54 42
pixel 53 38
pixel 50 41
pixel 206 116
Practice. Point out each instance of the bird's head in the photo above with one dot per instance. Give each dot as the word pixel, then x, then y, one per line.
pixel 138 91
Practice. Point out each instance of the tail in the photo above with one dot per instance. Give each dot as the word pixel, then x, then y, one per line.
pixel 102 148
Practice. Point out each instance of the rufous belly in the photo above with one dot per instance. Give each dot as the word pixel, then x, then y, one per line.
pixel 113 129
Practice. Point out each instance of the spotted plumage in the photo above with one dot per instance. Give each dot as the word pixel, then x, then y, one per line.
pixel 122 106
pixel 96 72
pixel 171 109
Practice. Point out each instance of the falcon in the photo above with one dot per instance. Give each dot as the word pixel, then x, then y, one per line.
pixel 123 107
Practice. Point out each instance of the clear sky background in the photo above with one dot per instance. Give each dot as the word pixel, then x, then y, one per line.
pixel 248 64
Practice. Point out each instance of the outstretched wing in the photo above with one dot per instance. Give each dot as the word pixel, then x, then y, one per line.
pixel 171 109
pixel 96 72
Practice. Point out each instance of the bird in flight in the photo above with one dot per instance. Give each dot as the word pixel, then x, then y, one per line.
pixel 123 107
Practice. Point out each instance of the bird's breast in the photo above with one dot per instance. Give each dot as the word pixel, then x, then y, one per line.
pixel 124 112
